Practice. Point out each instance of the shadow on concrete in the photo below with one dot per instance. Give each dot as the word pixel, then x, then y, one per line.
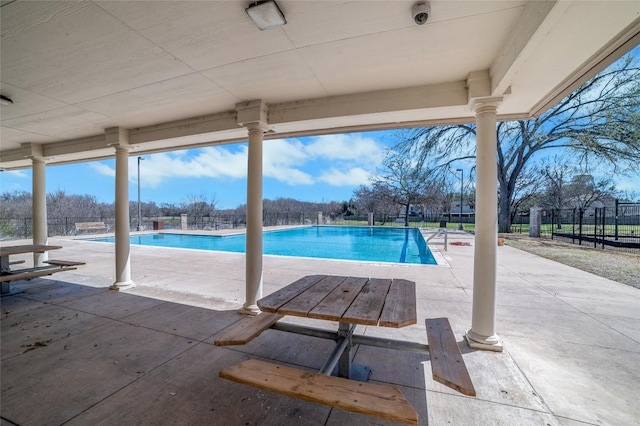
pixel 76 355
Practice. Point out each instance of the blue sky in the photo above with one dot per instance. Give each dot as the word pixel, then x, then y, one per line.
pixel 318 168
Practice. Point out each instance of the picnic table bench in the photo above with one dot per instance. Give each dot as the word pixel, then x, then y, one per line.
pixel 91 226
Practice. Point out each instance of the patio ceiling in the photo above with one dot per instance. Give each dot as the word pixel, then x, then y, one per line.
pixel 174 72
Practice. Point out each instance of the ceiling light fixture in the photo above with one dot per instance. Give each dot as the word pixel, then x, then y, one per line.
pixel 266 14
pixel 5 101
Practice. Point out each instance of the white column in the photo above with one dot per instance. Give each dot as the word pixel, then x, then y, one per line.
pixel 483 333
pixel 39 209
pixel 123 256
pixel 254 222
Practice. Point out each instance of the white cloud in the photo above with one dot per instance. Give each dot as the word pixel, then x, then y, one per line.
pixel 17 174
pixel 352 177
pixel 347 147
pixel 350 159
pixel 103 169
pixel 280 158
pixel 211 162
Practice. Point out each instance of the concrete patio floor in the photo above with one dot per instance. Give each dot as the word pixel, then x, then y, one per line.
pixel 75 353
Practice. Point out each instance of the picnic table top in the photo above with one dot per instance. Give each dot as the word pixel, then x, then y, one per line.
pixel 354 300
pixel 26 248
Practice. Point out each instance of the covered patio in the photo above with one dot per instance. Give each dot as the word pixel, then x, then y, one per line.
pixel 74 352
pixel 95 80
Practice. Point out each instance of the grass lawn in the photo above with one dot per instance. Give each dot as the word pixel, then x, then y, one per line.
pixel 614 265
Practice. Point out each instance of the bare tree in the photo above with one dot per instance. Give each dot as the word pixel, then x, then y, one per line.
pixel 600 120
pixel 404 179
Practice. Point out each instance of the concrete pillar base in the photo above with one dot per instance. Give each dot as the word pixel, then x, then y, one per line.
pixel 491 343
pixel 122 286
pixel 249 310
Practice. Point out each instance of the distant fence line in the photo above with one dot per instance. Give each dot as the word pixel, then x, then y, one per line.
pixel 16 228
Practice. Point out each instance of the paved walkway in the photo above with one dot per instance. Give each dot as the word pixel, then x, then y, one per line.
pixel 75 353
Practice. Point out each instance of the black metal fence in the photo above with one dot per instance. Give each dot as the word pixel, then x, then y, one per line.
pixel 605 227
pixel 17 228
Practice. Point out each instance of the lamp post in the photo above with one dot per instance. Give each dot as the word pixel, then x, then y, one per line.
pixel 139 209
pixel 460 227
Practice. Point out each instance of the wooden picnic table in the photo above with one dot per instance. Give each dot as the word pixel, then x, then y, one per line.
pixel 349 301
pixel 6 251
pixel 7 274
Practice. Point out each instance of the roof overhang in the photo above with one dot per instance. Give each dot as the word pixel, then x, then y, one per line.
pixel 174 73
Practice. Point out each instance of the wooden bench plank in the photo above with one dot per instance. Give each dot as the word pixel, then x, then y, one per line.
pixel 33 274
pixel 398 311
pixel 91 226
pixel 368 305
pixel 447 365
pixel 381 401
pixel 339 300
pixel 58 262
pixel 243 331
pixel 272 302
pixel 309 299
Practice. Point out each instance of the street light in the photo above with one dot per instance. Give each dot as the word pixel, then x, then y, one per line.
pixel 460 227
pixel 139 209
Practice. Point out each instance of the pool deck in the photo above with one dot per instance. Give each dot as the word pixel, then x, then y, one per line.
pixel 75 353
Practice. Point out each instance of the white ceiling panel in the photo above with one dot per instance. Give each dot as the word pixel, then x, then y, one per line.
pixel 25 102
pixel 272 77
pixel 202 34
pixel 73 51
pixel 12 138
pixel 64 123
pixel 168 100
pixel 386 60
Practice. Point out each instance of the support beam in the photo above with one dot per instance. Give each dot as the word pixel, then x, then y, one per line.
pixel 39 210
pixel 119 138
pixel 253 116
pixel 482 334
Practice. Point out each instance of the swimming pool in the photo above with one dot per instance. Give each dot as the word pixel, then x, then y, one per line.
pixel 395 245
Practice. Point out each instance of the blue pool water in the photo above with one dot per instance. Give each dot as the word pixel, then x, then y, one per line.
pixel 404 245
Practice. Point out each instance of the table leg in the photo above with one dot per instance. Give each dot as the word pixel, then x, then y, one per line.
pixel 4 264
pixel 4 269
pixel 346 368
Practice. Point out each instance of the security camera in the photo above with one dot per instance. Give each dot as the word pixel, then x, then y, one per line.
pixel 420 12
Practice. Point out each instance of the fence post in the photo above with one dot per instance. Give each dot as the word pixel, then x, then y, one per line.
pixel 580 212
pixel 535 222
pixel 604 224
pixel 553 222
pixel 573 226
pixel 595 227
pixel 615 222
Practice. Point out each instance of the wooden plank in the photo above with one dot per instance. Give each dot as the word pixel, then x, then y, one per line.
pixel 385 402
pixel 339 300
pixel 272 302
pixel 27 248
pixel 32 274
pixel 367 307
pixel 243 331
pixel 308 299
pixel 400 307
pixel 447 365
pixel 58 262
